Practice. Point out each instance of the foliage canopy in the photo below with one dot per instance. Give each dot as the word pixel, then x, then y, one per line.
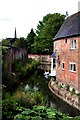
pixel 45 32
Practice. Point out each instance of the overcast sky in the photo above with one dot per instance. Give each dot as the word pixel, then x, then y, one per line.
pixel 25 14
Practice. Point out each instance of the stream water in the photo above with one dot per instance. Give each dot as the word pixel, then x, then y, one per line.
pixel 38 82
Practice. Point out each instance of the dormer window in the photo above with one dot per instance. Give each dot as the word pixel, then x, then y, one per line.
pixel 73 44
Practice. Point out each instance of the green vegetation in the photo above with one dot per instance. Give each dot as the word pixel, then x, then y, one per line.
pixel 11 103
pixel 30 40
pixel 45 32
pixel 29 98
pixel 42 113
pixel 21 69
pixel 73 91
pixel 20 42
pixel 9 108
pixel 19 101
pixel 78 94
pixel 28 104
pixel 18 104
pixel 24 68
pixel 67 87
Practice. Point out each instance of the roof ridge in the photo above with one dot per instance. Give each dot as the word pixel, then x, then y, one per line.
pixel 70 27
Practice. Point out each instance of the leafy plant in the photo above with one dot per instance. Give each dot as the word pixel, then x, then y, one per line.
pixel 10 108
pixel 73 91
pixel 29 98
pixel 43 113
pixel 24 67
pixel 67 87
pixel 78 94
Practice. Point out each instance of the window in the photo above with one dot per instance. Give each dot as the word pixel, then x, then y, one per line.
pixel 72 67
pixel 62 66
pixel 73 44
pixel 58 61
pixel 65 40
pixel 54 63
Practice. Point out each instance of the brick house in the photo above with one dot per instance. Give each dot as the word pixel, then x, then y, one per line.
pixel 65 61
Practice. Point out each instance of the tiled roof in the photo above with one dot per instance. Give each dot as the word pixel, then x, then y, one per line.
pixel 70 27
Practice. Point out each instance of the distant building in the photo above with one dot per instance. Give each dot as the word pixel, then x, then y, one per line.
pixel 12 54
pixel 65 63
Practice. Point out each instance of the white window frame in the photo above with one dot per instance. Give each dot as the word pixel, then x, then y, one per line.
pixel 63 63
pixel 72 67
pixel 73 44
pixel 55 46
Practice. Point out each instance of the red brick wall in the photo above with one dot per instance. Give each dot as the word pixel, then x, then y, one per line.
pixel 67 55
pixel 79 63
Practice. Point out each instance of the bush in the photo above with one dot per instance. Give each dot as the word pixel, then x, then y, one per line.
pixel 24 68
pixel 73 91
pixel 78 94
pixel 42 113
pixel 24 99
pixel 29 99
pixel 9 81
pixel 67 87
pixel 9 109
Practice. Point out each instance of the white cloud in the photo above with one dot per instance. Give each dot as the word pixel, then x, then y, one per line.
pixel 25 14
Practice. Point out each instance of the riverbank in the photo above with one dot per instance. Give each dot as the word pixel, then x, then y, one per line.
pixel 67 96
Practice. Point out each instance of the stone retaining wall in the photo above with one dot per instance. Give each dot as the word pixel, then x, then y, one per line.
pixel 67 96
pixel 45 59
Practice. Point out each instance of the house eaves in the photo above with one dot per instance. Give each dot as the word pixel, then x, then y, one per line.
pixel 70 27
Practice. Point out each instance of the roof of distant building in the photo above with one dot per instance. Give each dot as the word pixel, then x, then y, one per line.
pixel 70 27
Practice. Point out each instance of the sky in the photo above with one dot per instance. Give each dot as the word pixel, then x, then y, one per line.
pixel 26 14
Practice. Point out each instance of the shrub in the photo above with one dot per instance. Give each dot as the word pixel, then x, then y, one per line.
pixel 9 109
pixel 9 81
pixel 24 99
pixel 24 68
pixel 78 94
pixel 42 113
pixel 67 87
pixel 73 91
pixel 29 99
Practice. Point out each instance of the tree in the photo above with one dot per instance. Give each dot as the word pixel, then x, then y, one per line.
pixel 46 30
pixel 6 42
pixel 20 42
pixel 30 40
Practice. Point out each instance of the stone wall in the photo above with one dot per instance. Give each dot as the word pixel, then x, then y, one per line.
pixel 45 59
pixel 14 53
pixel 64 94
